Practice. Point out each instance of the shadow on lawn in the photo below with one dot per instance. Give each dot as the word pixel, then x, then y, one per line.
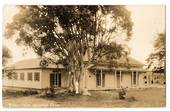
pixel 99 96
pixel 17 94
pixel 96 96
pixel 154 97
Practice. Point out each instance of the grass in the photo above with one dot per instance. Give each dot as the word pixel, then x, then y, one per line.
pixel 153 97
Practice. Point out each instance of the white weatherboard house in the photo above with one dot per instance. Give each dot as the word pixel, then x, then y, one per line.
pixel 30 74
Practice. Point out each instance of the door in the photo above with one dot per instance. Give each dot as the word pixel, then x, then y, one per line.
pixel 55 79
pixel 134 78
pixel 51 80
pixel 100 79
pixel 118 79
pixel 103 80
pixel 59 80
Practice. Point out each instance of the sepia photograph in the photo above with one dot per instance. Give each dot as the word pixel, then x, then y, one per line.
pixel 83 56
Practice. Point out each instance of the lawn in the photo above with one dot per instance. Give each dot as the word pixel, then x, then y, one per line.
pixel 152 97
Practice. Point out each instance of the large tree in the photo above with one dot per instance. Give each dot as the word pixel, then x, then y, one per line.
pixel 75 36
pixel 156 60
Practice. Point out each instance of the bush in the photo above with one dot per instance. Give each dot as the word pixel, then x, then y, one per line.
pixel 30 92
pixel 122 93
pixel 48 92
pixel 19 92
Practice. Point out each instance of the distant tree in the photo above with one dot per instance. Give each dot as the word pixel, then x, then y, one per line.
pixel 156 60
pixel 72 35
pixel 6 54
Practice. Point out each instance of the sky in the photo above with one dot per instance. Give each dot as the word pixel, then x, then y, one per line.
pixel 148 21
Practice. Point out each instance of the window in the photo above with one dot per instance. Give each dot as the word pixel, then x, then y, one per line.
pixel 118 78
pixel 21 76
pixel 135 78
pixel 152 81
pixel 145 77
pixel 36 76
pixel 51 79
pixel 29 76
pixel 57 77
pixel 118 75
pixel 103 80
pixel 9 75
pixel 98 78
pixel 15 76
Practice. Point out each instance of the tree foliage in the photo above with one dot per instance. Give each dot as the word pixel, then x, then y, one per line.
pixel 67 31
pixel 6 54
pixel 156 59
pixel 72 34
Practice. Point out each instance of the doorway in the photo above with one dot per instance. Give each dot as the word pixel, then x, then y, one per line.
pixel 134 78
pixel 100 78
pixel 118 79
pixel 55 79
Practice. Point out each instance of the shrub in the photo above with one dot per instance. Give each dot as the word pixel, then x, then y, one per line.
pixel 30 92
pixel 122 93
pixel 48 92
pixel 131 99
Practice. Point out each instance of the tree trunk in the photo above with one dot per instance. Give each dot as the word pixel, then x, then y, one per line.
pixel 77 82
pixel 82 82
pixel 71 82
pixel 70 85
pixel 78 70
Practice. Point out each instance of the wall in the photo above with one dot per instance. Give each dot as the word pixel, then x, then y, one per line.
pixel 110 82
pixel 126 79
pixel 46 78
pixel 142 79
pixel 64 79
pixel 43 83
pixel 90 80
pixel 23 83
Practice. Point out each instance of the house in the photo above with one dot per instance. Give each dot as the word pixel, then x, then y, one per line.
pixel 31 74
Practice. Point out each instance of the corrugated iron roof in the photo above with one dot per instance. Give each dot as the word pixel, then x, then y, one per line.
pixel 118 68
pixel 120 64
pixel 31 64
pixel 35 63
